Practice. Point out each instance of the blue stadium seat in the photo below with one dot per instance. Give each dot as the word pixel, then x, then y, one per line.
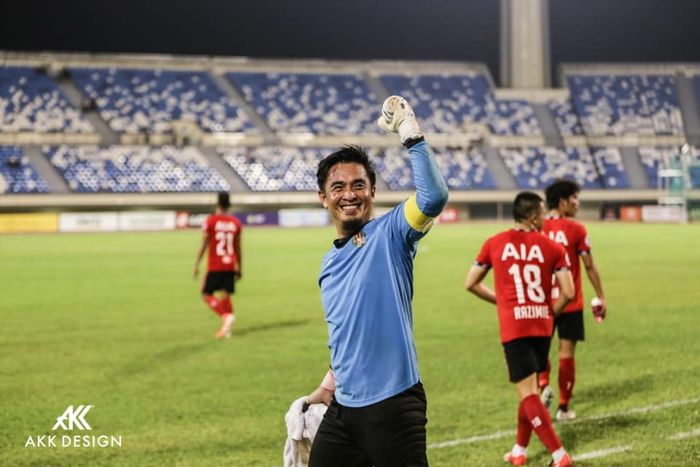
pixel 512 117
pixel 448 103
pixel 135 169
pixel 17 175
pixel 564 116
pixel 135 100
pixel 30 101
pixel 535 168
pixel 318 103
pixel 443 103
pixel 462 169
pixel 610 167
pixel 276 168
pixel 626 104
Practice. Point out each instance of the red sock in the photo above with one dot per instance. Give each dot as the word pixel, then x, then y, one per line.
pixel 524 427
pixel 567 378
pixel 544 376
pixel 226 306
pixel 213 303
pixel 539 418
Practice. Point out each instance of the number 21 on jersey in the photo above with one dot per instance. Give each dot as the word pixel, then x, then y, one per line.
pixel 224 243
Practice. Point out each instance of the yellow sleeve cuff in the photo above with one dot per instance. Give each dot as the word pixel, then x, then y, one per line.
pixel 415 217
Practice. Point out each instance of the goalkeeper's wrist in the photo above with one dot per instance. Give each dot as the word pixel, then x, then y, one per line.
pixel 409 143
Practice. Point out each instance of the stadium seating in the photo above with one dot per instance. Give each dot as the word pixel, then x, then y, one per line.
pixel 448 103
pixel 626 104
pixel 462 169
pixel 512 117
pixel 135 169
pixel 134 100
pixel 535 168
pixel 30 101
pixel 610 167
pixel 443 103
pixel 564 116
pixel 276 168
pixel 17 175
pixel 311 102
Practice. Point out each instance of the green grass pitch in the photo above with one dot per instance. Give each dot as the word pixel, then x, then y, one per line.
pixel 115 320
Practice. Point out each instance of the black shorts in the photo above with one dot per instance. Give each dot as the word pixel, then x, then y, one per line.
pixel 388 433
pixel 526 356
pixel 570 326
pixel 219 280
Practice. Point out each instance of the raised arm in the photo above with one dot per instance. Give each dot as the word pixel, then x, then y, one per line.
pixel 431 191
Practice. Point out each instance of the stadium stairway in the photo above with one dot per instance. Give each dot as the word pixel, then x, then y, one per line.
pixel 688 101
pixel 56 183
pixel 217 162
pixel 231 91
pixel 500 173
pixel 548 126
pixel 636 174
pixel 75 97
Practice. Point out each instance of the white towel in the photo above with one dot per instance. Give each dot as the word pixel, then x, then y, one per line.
pixel 301 430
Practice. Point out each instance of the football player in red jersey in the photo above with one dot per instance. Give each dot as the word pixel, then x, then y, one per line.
pixel 222 236
pixel 562 200
pixel 523 262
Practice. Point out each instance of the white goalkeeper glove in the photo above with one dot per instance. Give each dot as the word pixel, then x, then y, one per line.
pixel 398 117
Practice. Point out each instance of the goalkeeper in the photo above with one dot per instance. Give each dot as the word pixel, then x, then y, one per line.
pixel 378 413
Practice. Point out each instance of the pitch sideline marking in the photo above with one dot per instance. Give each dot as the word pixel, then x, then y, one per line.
pixel 503 433
pixel 684 435
pixel 601 453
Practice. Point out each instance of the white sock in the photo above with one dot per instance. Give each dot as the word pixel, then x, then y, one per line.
pixel 558 454
pixel 518 450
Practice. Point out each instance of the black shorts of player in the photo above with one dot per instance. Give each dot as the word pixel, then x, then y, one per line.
pixel 570 326
pixel 386 434
pixel 526 356
pixel 219 280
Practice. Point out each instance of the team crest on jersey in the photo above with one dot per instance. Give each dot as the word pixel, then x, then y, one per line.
pixel 359 239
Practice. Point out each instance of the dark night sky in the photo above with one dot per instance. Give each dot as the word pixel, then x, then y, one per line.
pixel 467 30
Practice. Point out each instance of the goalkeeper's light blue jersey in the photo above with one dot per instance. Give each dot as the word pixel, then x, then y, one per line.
pixel 366 290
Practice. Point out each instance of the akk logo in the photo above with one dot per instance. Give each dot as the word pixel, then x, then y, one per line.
pixel 74 417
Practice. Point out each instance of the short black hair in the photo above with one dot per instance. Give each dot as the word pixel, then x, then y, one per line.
pixel 223 200
pixel 347 154
pixel 560 189
pixel 525 204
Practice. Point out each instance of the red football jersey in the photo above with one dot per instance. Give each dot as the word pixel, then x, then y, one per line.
pixel 574 238
pixel 523 263
pixel 224 232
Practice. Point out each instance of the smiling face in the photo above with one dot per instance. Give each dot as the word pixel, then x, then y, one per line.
pixel 349 197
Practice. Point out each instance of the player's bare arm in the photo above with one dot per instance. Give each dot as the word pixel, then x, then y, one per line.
pixel 323 394
pixel 594 278
pixel 474 284
pixel 200 254
pixel 238 270
pixel 566 290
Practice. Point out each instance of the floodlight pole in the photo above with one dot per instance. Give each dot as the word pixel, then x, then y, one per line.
pixel 525 54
